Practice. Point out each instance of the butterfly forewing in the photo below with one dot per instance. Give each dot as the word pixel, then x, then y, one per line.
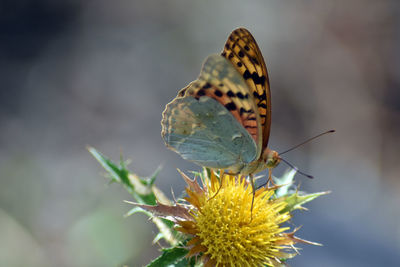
pixel 243 52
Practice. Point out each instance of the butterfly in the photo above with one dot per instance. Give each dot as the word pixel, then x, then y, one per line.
pixel 222 120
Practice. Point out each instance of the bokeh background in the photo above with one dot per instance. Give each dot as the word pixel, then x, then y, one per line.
pixel 76 73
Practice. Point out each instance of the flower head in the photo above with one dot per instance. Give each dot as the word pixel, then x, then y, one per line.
pixel 227 232
pixel 222 225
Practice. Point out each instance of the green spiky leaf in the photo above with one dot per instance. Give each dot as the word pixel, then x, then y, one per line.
pixel 171 257
pixel 297 199
pixel 285 182
pixel 139 188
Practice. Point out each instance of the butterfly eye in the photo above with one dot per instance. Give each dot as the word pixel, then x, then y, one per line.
pixel 271 158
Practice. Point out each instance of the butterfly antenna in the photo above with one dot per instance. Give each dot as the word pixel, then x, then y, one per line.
pixel 308 140
pixel 295 168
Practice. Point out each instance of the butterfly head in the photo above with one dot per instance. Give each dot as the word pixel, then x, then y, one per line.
pixel 271 158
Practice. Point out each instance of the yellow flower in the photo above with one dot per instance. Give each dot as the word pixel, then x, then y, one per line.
pixel 226 232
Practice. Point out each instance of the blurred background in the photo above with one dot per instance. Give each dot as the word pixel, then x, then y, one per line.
pixel 77 73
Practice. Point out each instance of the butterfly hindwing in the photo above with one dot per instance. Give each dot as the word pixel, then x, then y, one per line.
pixel 243 52
pixel 205 132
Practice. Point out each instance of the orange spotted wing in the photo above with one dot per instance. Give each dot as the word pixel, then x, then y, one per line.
pixel 242 51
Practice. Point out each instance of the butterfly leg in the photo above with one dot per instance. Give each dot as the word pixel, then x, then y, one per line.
pixel 220 186
pixel 270 180
pixel 254 193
